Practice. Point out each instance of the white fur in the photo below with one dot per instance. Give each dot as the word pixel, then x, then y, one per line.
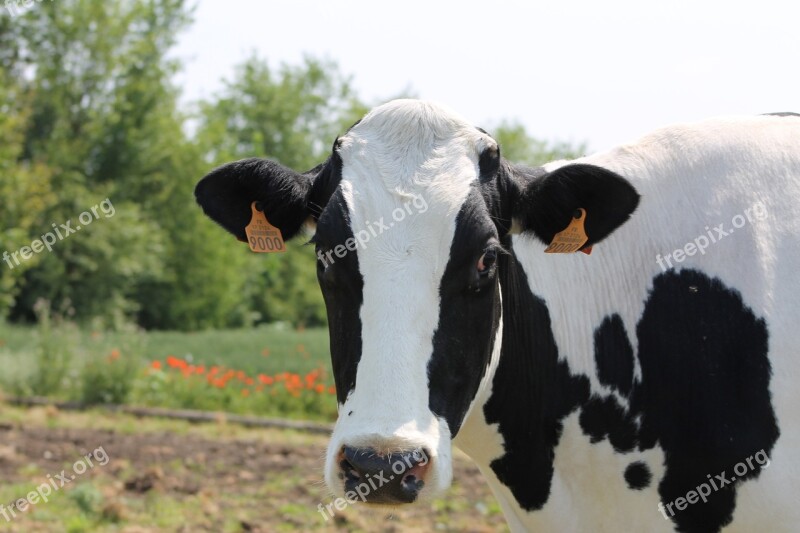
pixel 690 176
pixel 387 160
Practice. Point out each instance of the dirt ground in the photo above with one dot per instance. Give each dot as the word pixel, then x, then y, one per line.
pixel 174 476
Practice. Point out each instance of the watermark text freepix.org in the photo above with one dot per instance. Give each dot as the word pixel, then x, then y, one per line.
pixel 59 233
pixel 55 483
pixel 704 490
pixel 757 211
pixel 374 482
pixel 360 239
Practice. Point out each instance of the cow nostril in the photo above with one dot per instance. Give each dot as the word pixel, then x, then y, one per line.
pixel 412 483
pixel 348 471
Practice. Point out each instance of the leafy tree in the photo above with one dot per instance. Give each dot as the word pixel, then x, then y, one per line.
pixel 291 114
pixel 88 112
pixel 518 146
pixel 25 190
pixel 100 114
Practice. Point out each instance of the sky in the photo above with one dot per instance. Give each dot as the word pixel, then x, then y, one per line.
pixel 600 72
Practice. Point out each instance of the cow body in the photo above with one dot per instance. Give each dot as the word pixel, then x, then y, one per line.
pixel 708 332
pixel 594 392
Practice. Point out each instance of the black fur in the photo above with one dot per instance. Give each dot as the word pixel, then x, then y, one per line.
pixel 704 396
pixel 343 290
pixel 603 417
pixel 225 195
pixel 489 164
pixel 613 355
pixel 638 475
pixel 287 198
pixel 469 314
pixel 549 202
pixel 534 390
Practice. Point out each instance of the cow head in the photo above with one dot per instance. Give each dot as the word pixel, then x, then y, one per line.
pixel 412 215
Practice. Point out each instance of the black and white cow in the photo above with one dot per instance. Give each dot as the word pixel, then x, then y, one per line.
pixel 646 387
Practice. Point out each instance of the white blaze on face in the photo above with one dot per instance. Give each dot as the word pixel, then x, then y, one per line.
pixel 407 169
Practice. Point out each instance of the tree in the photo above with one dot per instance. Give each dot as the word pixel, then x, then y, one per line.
pixel 291 114
pixel 25 190
pixel 518 146
pixel 89 114
pixel 99 120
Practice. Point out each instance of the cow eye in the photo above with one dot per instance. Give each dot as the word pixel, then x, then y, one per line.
pixel 487 262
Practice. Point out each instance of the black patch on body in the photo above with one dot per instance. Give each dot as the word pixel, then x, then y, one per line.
pixel 704 395
pixel 603 417
pixel 534 391
pixel 613 355
pixel 703 398
pixel 469 314
pixel 638 475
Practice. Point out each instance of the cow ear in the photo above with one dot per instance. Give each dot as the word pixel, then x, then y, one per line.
pixel 226 194
pixel 549 202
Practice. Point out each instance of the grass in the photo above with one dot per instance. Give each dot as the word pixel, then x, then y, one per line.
pixel 276 495
pixel 267 349
pixel 172 369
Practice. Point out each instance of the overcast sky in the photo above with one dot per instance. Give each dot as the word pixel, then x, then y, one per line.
pixel 604 72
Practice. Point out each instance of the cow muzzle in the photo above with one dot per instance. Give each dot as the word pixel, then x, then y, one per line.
pixel 388 478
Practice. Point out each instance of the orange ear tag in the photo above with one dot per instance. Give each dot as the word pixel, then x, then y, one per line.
pixel 572 238
pixel 262 236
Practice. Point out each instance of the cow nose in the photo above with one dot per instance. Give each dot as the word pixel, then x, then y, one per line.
pixel 383 478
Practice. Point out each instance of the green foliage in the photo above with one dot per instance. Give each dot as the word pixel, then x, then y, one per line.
pixel 98 118
pixel 53 357
pixel 518 146
pixel 291 114
pixel 25 188
pixel 109 377
pixel 89 111
pixel 171 389
pixel 64 362
pixel 87 498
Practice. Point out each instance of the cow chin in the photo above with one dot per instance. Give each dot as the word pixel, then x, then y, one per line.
pixel 389 464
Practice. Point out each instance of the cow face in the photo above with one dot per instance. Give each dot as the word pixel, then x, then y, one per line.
pixel 412 212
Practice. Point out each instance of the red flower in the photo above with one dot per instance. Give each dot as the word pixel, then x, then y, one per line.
pixel 174 362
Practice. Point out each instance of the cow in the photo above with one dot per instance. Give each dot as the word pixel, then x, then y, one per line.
pixel 645 386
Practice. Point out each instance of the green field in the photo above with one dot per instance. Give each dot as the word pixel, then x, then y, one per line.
pixel 173 369
pixel 238 348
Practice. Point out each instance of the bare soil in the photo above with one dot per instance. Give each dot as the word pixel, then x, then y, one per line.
pixel 171 476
